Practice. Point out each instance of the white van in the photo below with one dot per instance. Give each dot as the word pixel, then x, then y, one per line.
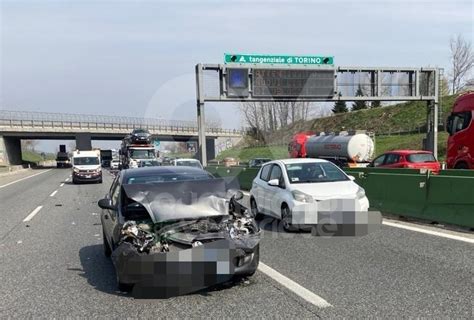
pixel 86 166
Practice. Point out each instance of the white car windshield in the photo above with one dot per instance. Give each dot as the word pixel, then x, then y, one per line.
pixel 189 163
pixel 313 172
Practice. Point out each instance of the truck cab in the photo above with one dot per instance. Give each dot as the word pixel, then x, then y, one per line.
pixel 136 154
pixel 86 166
pixel 460 149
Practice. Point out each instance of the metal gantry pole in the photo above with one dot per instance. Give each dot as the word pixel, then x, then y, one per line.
pixel 201 115
pixel 436 114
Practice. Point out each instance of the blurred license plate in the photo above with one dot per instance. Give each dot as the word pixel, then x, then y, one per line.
pixel 88 176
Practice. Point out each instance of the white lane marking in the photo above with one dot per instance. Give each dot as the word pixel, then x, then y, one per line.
pixel 431 232
pixel 62 184
pixel 54 192
pixel 34 175
pixel 67 180
pixel 32 214
pixel 293 286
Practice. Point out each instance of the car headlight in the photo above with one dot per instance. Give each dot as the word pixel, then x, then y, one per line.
pixel 360 193
pixel 76 170
pixel 301 196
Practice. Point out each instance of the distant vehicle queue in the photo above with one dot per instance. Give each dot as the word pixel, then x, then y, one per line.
pixel 345 149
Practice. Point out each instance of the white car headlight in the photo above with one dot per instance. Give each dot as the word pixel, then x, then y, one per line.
pixel 360 193
pixel 301 196
pixel 76 170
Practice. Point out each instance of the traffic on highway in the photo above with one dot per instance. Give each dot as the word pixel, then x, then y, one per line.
pixel 151 169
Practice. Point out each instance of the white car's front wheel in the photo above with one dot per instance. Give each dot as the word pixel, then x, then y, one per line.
pixel 254 209
pixel 286 219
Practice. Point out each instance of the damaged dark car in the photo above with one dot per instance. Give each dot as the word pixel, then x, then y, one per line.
pixel 176 230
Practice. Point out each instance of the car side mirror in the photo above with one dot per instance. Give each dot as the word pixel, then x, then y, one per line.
pixel 106 204
pixel 274 183
pixel 352 178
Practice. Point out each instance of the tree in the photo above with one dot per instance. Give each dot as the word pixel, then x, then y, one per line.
pixel 361 104
pixel 462 60
pixel 29 145
pixel 266 117
pixel 444 86
pixel 340 106
pixel 375 104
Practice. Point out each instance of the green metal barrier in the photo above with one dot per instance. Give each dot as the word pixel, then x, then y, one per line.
pixel 444 198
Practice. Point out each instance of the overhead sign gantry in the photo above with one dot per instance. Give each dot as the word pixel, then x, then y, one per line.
pixel 284 78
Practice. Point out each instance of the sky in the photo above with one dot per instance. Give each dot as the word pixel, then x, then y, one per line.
pixel 137 58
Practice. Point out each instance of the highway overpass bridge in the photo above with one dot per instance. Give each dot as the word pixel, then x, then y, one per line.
pixel 18 125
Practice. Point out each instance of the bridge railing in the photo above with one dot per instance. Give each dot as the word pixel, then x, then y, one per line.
pixel 13 119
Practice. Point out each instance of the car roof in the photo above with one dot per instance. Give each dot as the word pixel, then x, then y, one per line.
pixel 297 160
pixel 406 151
pixel 186 159
pixel 146 171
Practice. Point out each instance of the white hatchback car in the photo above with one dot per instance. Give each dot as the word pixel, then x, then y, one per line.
pixel 187 163
pixel 286 188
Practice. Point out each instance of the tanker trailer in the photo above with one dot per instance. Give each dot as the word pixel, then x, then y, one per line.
pixel 343 150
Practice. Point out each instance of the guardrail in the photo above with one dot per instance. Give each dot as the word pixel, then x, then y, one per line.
pixel 18 119
pixel 444 198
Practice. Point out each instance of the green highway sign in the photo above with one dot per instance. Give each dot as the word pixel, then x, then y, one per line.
pixel 277 59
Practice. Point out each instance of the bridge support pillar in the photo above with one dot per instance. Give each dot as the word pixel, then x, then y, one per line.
pixel 210 150
pixel 10 151
pixel 83 141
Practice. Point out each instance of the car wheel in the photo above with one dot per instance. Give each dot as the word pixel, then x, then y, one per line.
pixel 74 181
pixel 107 249
pixel 286 219
pixel 100 181
pixel 461 165
pixel 254 210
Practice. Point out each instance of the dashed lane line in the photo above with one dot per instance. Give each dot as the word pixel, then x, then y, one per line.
pixel 294 287
pixel 32 214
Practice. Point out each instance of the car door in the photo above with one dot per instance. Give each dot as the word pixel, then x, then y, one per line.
pixel 377 162
pixel 392 160
pixel 259 185
pixel 275 194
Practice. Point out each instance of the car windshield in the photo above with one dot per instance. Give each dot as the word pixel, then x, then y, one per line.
pixel 142 154
pixel 149 163
pixel 313 172
pixel 170 177
pixel 188 163
pixel 86 161
pixel 421 157
pixel 259 162
pixel 139 131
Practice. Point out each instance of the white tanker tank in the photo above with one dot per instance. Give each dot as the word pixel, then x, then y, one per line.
pixel 358 147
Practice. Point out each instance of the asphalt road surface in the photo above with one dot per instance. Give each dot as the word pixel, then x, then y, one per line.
pixel 52 265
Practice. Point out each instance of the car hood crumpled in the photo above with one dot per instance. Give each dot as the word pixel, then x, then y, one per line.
pixel 180 200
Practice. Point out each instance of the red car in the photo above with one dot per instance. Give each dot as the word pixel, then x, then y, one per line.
pixel 413 159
